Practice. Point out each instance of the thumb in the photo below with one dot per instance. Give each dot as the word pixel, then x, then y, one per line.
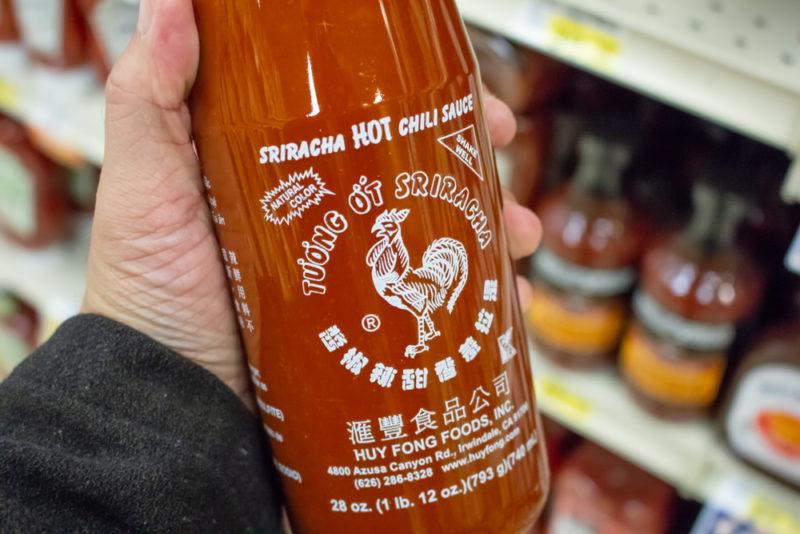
pixel 161 60
pixel 149 157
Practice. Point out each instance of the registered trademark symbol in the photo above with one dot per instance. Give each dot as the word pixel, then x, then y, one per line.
pixel 371 323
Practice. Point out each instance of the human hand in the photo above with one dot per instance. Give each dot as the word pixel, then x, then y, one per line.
pixel 154 262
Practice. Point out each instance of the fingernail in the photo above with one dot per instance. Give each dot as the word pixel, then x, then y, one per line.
pixel 146 13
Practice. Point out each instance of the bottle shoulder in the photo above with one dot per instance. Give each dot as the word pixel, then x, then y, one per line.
pixel 720 286
pixel 593 232
pixel 316 59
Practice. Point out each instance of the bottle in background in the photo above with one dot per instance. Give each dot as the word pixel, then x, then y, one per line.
pixel 9 33
pixel 528 82
pixel 34 202
pixel 761 419
pixel 111 25
pixel 352 183
pixel 586 266
pixel 19 326
pixel 600 493
pixel 53 31
pixel 697 286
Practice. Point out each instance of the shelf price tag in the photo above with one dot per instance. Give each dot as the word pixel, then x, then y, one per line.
pixel 738 506
pixel 770 517
pixel 570 406
pixel 9 96
pixel 585 39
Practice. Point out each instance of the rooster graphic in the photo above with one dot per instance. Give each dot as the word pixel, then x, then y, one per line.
pixel 422 291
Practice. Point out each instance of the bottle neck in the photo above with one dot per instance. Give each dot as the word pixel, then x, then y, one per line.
pixel 716 220
pixel 591 179
pixel 601 169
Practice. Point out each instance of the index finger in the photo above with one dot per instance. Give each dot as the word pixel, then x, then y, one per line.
pixel 501 121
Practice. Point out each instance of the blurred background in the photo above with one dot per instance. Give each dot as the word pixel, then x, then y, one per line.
pixel 658 141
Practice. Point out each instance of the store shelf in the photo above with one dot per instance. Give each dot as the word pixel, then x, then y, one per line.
pixel 65 111
pixel 690 456
pixel 734 62
pixel 51 280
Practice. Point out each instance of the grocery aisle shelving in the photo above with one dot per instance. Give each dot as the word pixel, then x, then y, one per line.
pixel 731 61
pixel 688 455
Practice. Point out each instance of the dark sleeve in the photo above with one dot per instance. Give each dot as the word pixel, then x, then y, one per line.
pixel 105 430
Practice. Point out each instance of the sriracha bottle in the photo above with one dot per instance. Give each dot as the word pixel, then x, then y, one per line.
pixel 353 188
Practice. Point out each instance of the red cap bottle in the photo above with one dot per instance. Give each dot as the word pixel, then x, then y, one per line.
pixel 600 493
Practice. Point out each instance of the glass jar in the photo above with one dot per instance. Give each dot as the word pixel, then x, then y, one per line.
pixel 586 267
pixel 761 418
pixel 697 286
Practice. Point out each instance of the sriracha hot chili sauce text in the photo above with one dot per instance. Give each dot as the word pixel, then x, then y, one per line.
pixel 355 196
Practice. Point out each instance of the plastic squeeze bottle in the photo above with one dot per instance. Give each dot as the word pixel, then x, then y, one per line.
pixel 352 183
